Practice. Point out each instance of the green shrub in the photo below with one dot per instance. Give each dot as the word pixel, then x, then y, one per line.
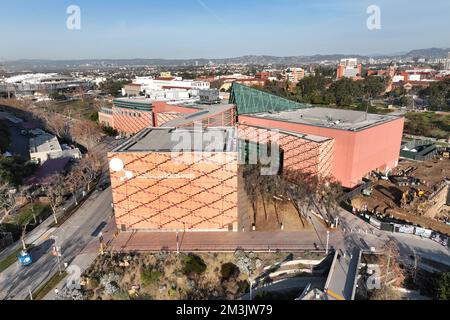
pixel 150 276
pixel 193 264
pixel 229 270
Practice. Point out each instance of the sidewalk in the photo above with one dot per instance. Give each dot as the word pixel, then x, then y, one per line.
pixel 85 258
pixel 83 262
pixel 217 241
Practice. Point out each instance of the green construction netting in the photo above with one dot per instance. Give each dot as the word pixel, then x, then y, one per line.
pixel 249 100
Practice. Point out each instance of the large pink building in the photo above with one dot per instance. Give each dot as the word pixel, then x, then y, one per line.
pixel 361 142
pixel 197 189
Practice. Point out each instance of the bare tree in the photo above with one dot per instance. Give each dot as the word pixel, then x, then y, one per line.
pixel 54 186
pixel 74 180
pixel 22 237
pixel 251 176
pixel 60 125
pixel 7 202
pixel 90 167
pixel 86 133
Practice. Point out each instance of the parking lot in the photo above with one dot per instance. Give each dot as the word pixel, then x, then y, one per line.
pixel 19 143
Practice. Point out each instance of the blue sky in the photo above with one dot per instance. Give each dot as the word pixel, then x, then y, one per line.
pixel 217 28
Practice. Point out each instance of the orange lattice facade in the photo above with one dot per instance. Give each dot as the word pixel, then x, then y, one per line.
pixel 131 121
pixel 192 192
pixel 302 154
pixel 164 117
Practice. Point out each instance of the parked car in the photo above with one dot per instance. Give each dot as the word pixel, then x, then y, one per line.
pixel 103 186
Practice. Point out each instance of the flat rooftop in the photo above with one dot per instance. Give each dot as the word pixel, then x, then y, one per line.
pixel 308 137
pixel 181 139
pixel 44 143
pixel 326 117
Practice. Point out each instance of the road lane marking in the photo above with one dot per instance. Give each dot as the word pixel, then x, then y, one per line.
pixel 335 295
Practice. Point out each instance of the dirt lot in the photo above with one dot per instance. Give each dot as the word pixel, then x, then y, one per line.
pixel 387 196
pixel 271 214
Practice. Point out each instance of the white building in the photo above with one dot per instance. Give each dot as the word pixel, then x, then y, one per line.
pixel 28 84
pixel 150 84
pixel 46 146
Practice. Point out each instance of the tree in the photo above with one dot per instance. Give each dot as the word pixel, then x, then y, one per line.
pixel 443 286
pixel 438 94
pixel 54 186
pixel 7 202
pixel 113 87
pixel 313 89
pixel 60 125
pixel 346 91
pixel 90 168
pixel 13 170
pixel 87 133
pixel 372 87
pixel 251 174
pixel 22 237
pixel 74 181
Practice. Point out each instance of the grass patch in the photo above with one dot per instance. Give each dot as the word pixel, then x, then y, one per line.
pixel 40 293
pixel 27 214
pixel 428 124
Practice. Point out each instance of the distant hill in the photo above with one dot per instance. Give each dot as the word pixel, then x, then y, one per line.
pixel 434 53
pixel 40 65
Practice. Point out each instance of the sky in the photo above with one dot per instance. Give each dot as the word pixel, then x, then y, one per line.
pixel 184 29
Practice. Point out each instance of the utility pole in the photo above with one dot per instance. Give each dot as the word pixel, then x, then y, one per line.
pixel 415 265
pixel 31 294
pixel 57 253
pixel 328 241
pixel 251 287
pixel 387 270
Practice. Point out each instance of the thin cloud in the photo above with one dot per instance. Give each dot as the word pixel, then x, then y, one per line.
pixel 201 3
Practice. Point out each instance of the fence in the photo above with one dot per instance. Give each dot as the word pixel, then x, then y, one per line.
pixel 406 229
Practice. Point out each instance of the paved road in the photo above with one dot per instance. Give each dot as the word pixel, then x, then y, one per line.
pixel 19 143
pixel 73 236
pixel 358 234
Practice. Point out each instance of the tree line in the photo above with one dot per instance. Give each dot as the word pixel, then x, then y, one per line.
pixel 320 89
pixel 438 95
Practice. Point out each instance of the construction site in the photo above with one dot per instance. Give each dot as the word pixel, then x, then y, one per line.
pixel 415 192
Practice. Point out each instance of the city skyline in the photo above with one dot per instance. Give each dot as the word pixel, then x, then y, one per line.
pixel 205 29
